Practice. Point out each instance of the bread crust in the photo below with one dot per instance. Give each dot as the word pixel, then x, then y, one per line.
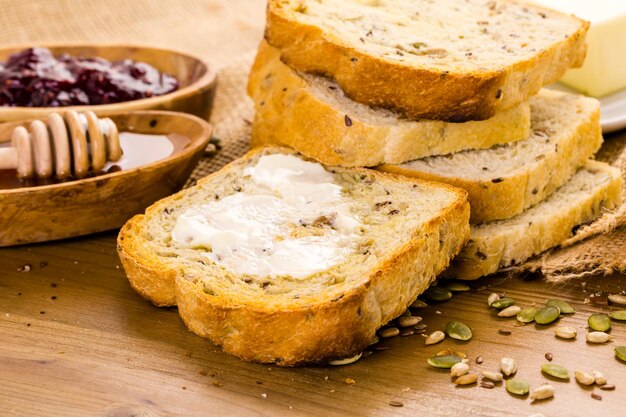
pixel 306 333
pixel 419 92
pixel 288 112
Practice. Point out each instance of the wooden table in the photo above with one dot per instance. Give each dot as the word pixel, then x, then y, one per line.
pixel 77 341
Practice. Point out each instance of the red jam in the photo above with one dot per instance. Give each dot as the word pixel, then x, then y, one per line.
pixel 35 78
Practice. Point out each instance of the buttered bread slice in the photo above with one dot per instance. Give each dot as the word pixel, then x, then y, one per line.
pixel 503 243
pixel 445 59
pixel 312 115
pixel 505 180
pixel 277 258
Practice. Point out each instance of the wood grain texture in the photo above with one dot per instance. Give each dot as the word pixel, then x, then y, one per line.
pixel 78 341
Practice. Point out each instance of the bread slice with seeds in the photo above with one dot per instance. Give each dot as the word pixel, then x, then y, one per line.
pixel 443 60
pixel 500 244
pixel 278 266
pixel 506 179
pixel 312 115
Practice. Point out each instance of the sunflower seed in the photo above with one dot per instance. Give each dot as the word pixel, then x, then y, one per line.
pixel 458 330
pixel 396 403
pixel 435 337
pixel 437 294
pixel 346 361
pixel 557 371
pixel 598 337
pixel 599 377
pixel 527 315
pixel 505 332
pixel 547 315
pixel 618 299
pixel 492 376
pixel 543 392
pixel 493 297
pixel 459 369
pixel 389 332
pixel 487 384
pixel 503 303
pixel 607 387
pixel 517 387
pixel 407 332
pixel 510 311
pixel 409 321
pixel 599 322
pixel 564 306
pixel 565 332
pixel 456 286
pixel 584 378
pixel 596 396
pixel 445 361
pixel 466 379
pixel 418 304
pixel 620 353
pixel 508 366
pixel 618 315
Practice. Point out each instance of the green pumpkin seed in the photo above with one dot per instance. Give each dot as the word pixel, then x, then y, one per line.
pixel 458 330
pixel 555 370
pixel 503 303
pixel 527 315
pixel 456 286
pixel 618 315
pixel 437 294
pixel 599 322
pixel 517 386
pixel 547 315
pixel 620 353
pixel 444 361
pixel 564 306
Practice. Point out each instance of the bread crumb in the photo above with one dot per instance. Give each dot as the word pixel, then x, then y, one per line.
pixel 350 381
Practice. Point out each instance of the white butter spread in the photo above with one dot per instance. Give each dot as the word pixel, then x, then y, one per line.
pixel 268 229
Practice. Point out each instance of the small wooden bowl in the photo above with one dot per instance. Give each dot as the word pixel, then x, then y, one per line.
pixel 104 202
pixel 197 79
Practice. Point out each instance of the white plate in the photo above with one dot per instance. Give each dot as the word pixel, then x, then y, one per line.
pixel 612 108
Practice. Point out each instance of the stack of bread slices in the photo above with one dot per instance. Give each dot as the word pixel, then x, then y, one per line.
pixel 446 91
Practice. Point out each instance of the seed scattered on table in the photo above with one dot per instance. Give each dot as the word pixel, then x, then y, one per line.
pixel 418 304
pixel 547 315
pixel 619 315
pixel 492 376
pixel 456 286
pixel 466 379
pixel 607 387
pixel 508 366
pixel 584 378
pixel 458 330
pixel 396 403
pixel 527 315
pixel 543 392
pixel 556 371
pixel 503 303
pixel 511 311
pixel 24 268
pixel 599 377
pixel 409 321
pixel 435 337
pixel 564 306
pixel 345 361
pixel 517 386
pixel 565 332
pixel 459 369
pixel 479 360
pixel 389 332
pixel 618 299
pixel 620 353
pixel 407 332
pixel 599 322
pixel 549 356
pixel 493 297
pixel 445 361
pixel 598 337
pixel 437 294
pixel 487 384
pixel 596 396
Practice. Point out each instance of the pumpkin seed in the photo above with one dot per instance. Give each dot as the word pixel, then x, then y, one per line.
pixel 555 370
pixel 618 315
pixel 527 315
pixel 345 361
pixel 599 322
pixel 598 337
pixel 435 337
pixel 458 330
pixel 445 361
pixel 543 392
pixel 508 366
pixel 599 377
pixel 503 303
pixel 437 294
pixel 418 304
pixel 620 353
pixel 564 306
pixel 565 332
pixel 466 379
pixel 618 299
pixel 492 376
pixel 547 315
pixel 459 369
pixel 584 378
pixel 493 297
pixel 517 386
pixel 511 311
pixel 456 286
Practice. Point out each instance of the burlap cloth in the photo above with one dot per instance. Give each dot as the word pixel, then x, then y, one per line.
pixel 227 32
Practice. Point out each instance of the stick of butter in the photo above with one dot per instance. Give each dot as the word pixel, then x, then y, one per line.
pixel 604 70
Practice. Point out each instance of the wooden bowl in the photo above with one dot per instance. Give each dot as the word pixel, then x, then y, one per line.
pixel 104 202
pixel 197 80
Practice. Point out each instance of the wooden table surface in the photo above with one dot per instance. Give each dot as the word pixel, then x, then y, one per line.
pixel 77 341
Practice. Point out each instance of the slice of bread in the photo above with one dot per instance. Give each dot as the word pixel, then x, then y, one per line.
pixel 502 243
pixel 505 180
pixel 408 230
pixel 443 60
pixel 312 115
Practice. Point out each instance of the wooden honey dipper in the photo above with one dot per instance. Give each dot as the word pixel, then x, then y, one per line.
pixel 66 145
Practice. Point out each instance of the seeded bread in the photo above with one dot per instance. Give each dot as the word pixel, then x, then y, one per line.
pixel 505 180
pixel 442 60
pixel 499 244
pixel 411 230
pixel 312 115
